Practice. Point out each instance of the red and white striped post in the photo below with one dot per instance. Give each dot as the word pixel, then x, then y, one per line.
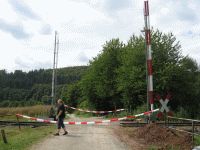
pixel 149 55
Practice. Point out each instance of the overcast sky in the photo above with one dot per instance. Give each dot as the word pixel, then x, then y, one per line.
pixel 27 28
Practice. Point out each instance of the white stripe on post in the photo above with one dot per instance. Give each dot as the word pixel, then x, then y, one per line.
pixel 150 83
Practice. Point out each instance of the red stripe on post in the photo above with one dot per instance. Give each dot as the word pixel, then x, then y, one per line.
pixel 151 100
pixel 149 65
pixel 146 8
pixel 148 37
pixel 83 122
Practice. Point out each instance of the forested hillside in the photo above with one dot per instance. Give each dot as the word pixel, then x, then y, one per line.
pixel 28 88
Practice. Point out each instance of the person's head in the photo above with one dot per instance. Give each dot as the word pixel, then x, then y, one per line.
pixel 60 101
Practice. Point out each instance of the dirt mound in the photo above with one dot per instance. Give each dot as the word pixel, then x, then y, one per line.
pixel 163 137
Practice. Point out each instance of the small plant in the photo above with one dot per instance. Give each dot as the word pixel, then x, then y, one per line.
pixel 197 140
pixel 152 147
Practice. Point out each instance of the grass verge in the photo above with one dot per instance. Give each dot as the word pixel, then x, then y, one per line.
pixel 197 140
pixel 28 110
pixel 24 138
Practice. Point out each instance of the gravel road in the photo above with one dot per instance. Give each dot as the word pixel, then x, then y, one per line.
pixel 83 137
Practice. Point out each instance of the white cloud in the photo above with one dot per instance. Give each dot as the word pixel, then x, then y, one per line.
pixel 46 29
pixel 31 64
pixel 23 9
pixel 85 25
pixel 15 29
pixel 82 57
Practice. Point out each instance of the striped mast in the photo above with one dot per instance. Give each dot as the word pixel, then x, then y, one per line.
pixel 149 55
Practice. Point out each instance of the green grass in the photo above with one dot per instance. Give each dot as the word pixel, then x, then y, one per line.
pixel 152 148
pixel 36 110
pixel 83 114
pixel 170 147
pixel 24 138
pixel 197 140
pixel 11 118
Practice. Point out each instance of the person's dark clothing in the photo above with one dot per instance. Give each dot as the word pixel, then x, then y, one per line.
pixel 61 108
pixel 60 123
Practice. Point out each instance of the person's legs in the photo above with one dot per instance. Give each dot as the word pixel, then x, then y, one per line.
pixel 59 124
pixel 63 126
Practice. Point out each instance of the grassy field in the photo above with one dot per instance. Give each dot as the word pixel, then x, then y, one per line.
pixel 197 140
pixel 29 110
pixel 24 138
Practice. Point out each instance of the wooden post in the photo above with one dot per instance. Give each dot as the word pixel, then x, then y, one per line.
pixel 115 111
pixel 192 133
pixel 167 121
pixel 4 136
pixel 18 122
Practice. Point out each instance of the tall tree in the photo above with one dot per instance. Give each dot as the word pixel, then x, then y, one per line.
pixel 100 85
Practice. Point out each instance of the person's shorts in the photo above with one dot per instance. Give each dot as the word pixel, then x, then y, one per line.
pixel 60 123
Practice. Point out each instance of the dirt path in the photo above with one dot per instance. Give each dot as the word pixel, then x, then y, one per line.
pixel 98 137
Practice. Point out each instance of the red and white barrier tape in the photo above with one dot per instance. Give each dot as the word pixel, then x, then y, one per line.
pixel 95 112
pixel 90 122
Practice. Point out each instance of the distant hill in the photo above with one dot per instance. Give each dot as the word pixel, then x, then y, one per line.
pixel 26 88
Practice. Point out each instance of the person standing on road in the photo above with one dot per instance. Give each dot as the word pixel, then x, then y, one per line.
pixel 60 117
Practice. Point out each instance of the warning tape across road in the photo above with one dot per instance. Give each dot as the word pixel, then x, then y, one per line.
pixel 95 112
pixel 86 122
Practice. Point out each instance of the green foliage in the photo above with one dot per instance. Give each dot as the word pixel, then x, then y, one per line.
pixel 20 88
pixel 131 73
pixel 99 84
pixel 117 76
pixel 71 94
pixel 197 140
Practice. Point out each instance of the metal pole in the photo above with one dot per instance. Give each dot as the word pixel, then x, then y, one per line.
pixel 57 48
pixel 192 133
pixel 18 123
pixel 149 55
pixel 53 74
pixel 167 121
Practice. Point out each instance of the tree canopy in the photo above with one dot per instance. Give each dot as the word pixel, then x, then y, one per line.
pixel 117 76
pixel 20 88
